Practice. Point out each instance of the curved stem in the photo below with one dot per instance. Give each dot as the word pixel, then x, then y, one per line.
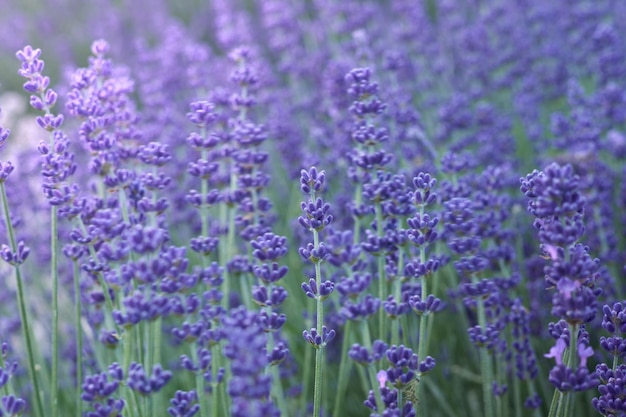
pixel 21 303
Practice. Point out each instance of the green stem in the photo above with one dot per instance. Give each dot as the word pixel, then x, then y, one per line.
pixel 486 366
pixel 381 272
pixel 424 323
pixel 21 302
pixel 79 339
pixel 54 388
pixel 101 281
pixel 306 374
pixel 202 396
pixel 317 390
pixel 215 357
pixel 319 356
pixel 128 392
pixel 517 397
pixel 344 369
pixel 380 405
pixel 571 363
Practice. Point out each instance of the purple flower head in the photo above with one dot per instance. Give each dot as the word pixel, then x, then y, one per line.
pixel 461 228
pixel 395 309
pixel 418 269
pixel 97 388
pixel 423 184
pixel 614 319
pixel 144 385
pixel 4 135
pixel 362 310
pixel 184 404
pixel 353 286
pixel 309 253
pixel 432 304
pixel 278 354
pixel 263 297
pixel 566 379
pixel 204 245
pixel 202 114
pixel 316 215
pixel 312 180
pixel 13 405
pixel 360 86
pixel 31 69
pixel 272 322
pixel 556 203
pixel 487 337
pixel 310 289
pixel 15 258
pixel 269 247
pixel 112 408
pixel 155 154
pixel 270 273
pixel 422 229
pixel 556 352
pixel 360 354
pixel 584 352
pixel 319 340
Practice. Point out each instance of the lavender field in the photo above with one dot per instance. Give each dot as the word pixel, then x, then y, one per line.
pixel 294 208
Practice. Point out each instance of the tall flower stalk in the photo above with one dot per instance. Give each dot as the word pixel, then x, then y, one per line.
pixel 15 254
pixel 57 165
pixel 315 219
pixel 558 206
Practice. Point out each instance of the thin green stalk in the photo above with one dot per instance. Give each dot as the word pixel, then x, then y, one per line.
pixel 571 363
pixel 306 375
pixel 202 397
pixel 517 397
pixel 21 302
pixel 424 323
pixel 79 339
pixel 344 369
pixel 319 356
pixel 486 365
pixel 397 286
pixel 319 353
pixel 358 196
pixel 101 281
pixel 279 394
pixel 364 377
pixel 215 355
pixel 380 405
pixel 136 402
pixel 54 241
pixel 128 393
pixel 556 399
pixel 228 251
pixel 442 400
pixel 317 388
pixel 381 272
pixel 5 388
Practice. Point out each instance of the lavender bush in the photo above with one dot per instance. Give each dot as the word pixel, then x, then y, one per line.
pixel 313 208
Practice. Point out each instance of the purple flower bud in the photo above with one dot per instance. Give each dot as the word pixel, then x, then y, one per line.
pixel 100 47
pixel 183 404
pixel 15 258
pixel 14 406
pixel 319 340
